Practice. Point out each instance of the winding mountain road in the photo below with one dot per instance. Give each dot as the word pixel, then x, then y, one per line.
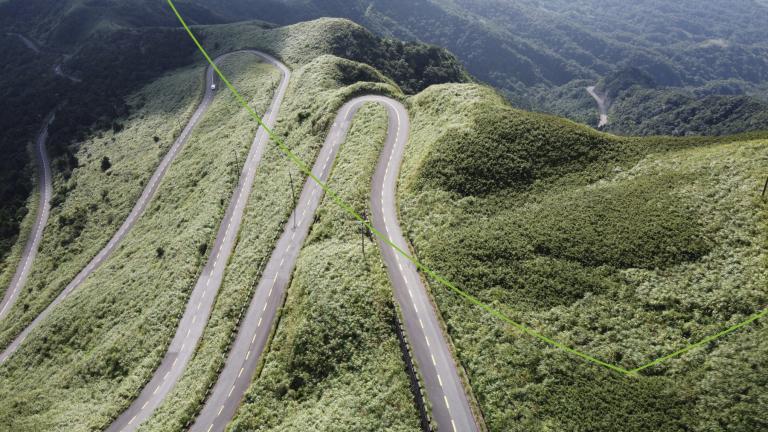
pixel 36 234
pixel 602 106
pixel 201 301
pixel 138 209
pixel 450 405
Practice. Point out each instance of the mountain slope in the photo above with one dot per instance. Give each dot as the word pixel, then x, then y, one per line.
pixel 106 339
pixel 624 248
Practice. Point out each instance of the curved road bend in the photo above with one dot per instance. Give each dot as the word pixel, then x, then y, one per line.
pixel 602 105
pixel 203 296
pixel 450 405
pixel 44 188
pixel 133 216
pixel 442 380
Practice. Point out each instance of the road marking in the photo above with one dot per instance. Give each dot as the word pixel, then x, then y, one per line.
pixel 241 372
pixel 248 354
pixel 439 380
pixel 156 389
pixel 220 410
pixel 132 419
pixel 199 304
pixel 447 405
pixel 210 427
pixel 433 360
pixel 453 425
pixel 257 325
pixel 145 405
pixel 230 391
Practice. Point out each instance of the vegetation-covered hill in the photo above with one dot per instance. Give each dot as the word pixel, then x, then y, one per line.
pixel 98 348
pixel 624 248
pixel 115 62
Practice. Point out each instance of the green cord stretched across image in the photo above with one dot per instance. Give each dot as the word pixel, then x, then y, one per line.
pixel 436 277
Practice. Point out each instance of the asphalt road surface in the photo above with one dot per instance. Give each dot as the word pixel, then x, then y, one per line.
pixel 133 216
pixel 43 210
pixel 442 381
pixel 602 106
pixel 437 368
pixel 203 296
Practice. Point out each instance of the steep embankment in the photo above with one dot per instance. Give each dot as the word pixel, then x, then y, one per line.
pixel 627 249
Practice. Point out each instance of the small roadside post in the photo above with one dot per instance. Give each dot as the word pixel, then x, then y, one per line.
pixel 293 194
pixel 765 188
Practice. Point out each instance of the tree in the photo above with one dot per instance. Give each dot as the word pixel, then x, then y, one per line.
pixel 105 164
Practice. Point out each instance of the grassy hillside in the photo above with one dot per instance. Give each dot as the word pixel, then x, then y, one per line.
pixel 319 86
pixel 625 248
pixel 108 337
pixel 124 316
pixel 335 362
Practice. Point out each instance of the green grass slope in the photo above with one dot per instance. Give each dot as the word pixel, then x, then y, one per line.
pixel 82 364
pixel 97 349
pixel 624 248
pixel 335 363
pixel 319 86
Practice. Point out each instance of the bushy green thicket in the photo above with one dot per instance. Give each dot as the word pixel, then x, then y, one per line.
pixel 639 248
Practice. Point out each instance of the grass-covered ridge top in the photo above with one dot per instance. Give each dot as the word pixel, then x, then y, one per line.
pixel 414 66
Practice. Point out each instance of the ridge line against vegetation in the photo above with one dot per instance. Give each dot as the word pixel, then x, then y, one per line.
pixel 489 309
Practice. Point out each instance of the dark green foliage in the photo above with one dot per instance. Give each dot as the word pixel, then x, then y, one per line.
pixel 637 223
pixel 105 163
pixel 641 111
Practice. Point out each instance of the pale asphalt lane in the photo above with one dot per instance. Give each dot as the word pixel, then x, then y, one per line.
pixel 450 406
pixel 201 301
pixel 133 216
pixel 44 188
pixel 437 368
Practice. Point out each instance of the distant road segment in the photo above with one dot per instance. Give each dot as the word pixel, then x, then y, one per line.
pixel 602 106
pixel 44 188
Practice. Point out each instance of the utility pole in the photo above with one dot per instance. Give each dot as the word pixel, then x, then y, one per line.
pixel 765 188
pixel 362 233
pixel 293 194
